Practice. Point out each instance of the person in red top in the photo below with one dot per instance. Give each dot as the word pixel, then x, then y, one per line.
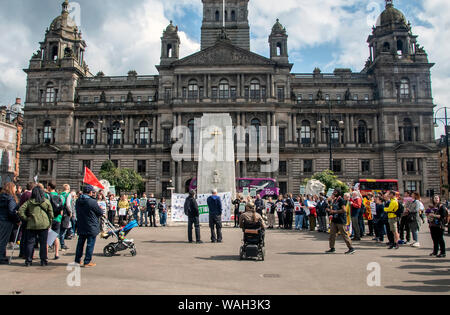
pixel 355 204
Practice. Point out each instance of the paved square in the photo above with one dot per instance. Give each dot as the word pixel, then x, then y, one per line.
pixel 295 264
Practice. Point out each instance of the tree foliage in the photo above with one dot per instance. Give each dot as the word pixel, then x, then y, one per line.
pixel 124 179
pixel 330 180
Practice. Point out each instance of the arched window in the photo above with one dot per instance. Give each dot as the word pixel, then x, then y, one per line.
pixel 407 130
pixel 224 89
pixel 48 132
pixel 256 123
pixel 279 49
pixel 404 88
pixel 305 132
pixel 386 47
pixel 362 132
pixel 399 47
pixel 233 16
pixel 255 89
pixel 144 134
pixel 169 51
pixel 193 89
pixel 55 53
pixel 217 16
pixel 226 15
pixel 117 133
pixel 50 93
pixel 334 131
pixel 90 133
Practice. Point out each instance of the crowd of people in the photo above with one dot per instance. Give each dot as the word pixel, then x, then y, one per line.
pixel 38 216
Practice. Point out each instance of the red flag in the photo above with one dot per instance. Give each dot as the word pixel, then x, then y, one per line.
pixel 89 178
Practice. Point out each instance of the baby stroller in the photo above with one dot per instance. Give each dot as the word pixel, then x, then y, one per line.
pixel 122 242
pixel 253 242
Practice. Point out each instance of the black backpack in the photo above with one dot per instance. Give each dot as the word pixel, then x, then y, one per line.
pixel 57 204
pixel 400 210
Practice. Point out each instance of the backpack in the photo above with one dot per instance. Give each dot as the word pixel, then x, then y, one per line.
pixel 400 210
pixel 57 204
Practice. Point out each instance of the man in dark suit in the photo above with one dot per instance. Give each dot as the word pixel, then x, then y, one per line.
pixel 191 210
pixel 215 216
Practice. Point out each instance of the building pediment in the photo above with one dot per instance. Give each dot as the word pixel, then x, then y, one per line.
pixel 413 147
pixel 224 54
pixel 44 148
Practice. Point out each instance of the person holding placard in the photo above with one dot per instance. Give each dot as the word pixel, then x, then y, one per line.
pixel 143 208
pixel 270 210
pixel 259 204
pixel 162 207
pixel 236 204
pixel 151 209
pixel 299 213
pixel 112 208
pixel 321 208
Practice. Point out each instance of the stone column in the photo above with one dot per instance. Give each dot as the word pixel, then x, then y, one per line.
pixel 294 117
pixel 238 86
pixel 289 128
pixel 77 131
pixel 268 126
pixel 154 139
pixel 375 129
pixel 420 137
pixel 131 130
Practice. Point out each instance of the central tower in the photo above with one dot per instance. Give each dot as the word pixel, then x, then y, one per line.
pixel 235 16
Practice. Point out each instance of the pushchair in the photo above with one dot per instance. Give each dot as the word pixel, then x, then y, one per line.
pixel 122 242
pixel 253 242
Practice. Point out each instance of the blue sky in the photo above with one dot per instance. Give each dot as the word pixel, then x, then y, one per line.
pixel 124 35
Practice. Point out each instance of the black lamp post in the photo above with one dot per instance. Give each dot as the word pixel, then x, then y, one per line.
pixel 329 130
pixel 445 121
pixel 110 127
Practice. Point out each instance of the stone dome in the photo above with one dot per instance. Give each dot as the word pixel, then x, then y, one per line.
pixel 278 28
pixel 171 28
pixel 391 15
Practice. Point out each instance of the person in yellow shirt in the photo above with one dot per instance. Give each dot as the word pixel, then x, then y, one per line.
pixel 392 218
pixel 124 206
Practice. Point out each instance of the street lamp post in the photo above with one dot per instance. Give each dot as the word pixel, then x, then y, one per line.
pixel 110 128
pixel 445 121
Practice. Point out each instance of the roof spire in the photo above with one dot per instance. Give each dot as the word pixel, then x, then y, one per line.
pixel 389 3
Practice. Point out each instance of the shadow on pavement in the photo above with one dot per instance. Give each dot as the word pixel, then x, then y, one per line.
pixel 423 289
pixel 235 257
pixel 166 242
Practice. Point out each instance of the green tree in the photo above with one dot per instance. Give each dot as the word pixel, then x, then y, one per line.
pixel 330 180
pixel 124 179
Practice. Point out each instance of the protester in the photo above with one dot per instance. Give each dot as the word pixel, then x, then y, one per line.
pixel 437 218
pixel 250 218
pixel 279 204
pixel 270 209
pixel 391 210
pixel 356 204
pixel 135 207
pixel 24 197
pixel 403 219
pixel 380 219
pixel 88 215
pixel 143 209
pixel 124 206
pixel 191 211
pixel 339 219
pixel 162 207
pixel 57 206
pixel 312 214
pixel 259 204
pixel 37 213
pixel 368 202
pixel 151 209
pixel 412 215
pixel 101 201
pixel 299 213
pixel 215 216
pixel 322 207
pixel 8 217
pixel 112 208
pixel 67 213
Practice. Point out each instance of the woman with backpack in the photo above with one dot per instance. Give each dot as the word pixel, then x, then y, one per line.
pixel 8 217
pixel 412 215
pixel 58 211
pixel 38 215
pixel 437 218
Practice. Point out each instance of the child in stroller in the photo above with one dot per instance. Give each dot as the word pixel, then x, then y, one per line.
pixel 253 227
pixel 122 242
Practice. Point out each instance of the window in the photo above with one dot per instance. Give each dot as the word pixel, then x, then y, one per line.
pixel 282 137
pixel 355 97
pixel 283 188
pixel 96 99
pixel 48 132
pixel 337 166
pixel 233 93
pixel 193 89
pixel 111 99
pixel 334 132
pixel 123 98
pixel 366 98
pixel 191 126
pixel 144 134
pixel 217 16
pixel 167 94
pixel 167 139
pixel 214 93
pixel 410 166
pixel 307 166
pixel 283 168
pixel 141 166
pixel 44 166
pixel 310 97
pixel 305 132
pixel 257 124
pixel 338 98
pixel 139 99
pixel 86 163
pixel 327 97
pixel 404 88
pixel 165 190
pixel 299 98
pixel 365 166
pixel 50 93
pixel 407 130
pixel 255 90
pixel 224 89
pixel 117 133
pixel 166 168
pixel 280 93
pixel 90 133
pixel 411 186
pixel 116 163
pixel 362 132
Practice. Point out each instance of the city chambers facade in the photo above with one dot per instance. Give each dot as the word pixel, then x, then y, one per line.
pixel 378 123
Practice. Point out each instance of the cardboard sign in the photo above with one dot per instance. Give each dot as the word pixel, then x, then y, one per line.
pixel 297 206
pixel 302 189
pixel 113 205
pixel 253 192
pixel 122 211
pixel 242 207
pixel 279 207
pixel 203 209
pixel 330 192
pixel 245 192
